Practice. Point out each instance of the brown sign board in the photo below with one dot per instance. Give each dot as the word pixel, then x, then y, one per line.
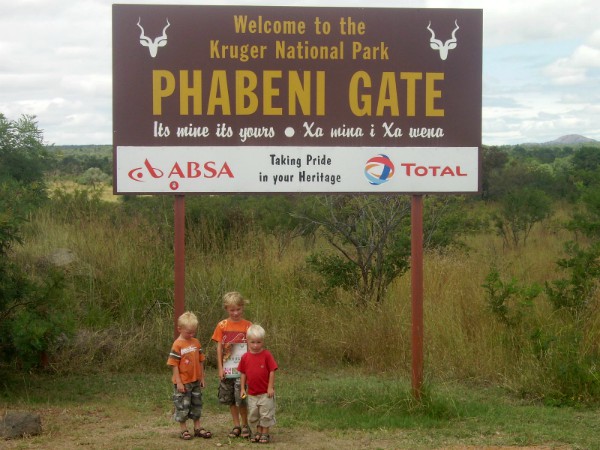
pixel 289 85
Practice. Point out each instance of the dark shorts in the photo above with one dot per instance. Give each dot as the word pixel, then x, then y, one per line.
pixel 188 404
pixel 229 392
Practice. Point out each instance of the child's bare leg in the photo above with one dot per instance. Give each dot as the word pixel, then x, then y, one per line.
pixel 264 435
pixel 244 414
pixel 184 433
pixel 235 415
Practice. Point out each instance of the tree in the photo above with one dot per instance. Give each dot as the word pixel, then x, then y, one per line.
pixel 586 163
pixel 493 160
pixel 22 187
pixel 520 210
pixel 30 313
pixel 366 233
pixel 371 239
pixel 22 153
pixel 94 177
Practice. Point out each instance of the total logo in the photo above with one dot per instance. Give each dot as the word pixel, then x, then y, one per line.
pixel 177 172
pixel 379 169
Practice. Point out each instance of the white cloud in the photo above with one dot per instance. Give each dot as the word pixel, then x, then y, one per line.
pixel 84 84
pixel 574 68
pixel 564 72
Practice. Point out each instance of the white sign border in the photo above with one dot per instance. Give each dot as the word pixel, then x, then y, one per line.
pixel 284 169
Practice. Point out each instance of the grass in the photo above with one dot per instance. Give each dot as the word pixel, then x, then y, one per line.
pixel 341 408
pixel 121 290
pixel 104 191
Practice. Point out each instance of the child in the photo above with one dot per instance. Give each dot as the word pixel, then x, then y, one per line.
pixel 230 336
pixel 187 360
pixel 258 370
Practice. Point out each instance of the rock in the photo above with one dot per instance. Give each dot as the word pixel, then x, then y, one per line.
pixel 61 257
pixel 16 424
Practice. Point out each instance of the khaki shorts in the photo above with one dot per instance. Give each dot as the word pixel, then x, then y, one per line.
pixel 188 404
pixel 261 410
pixel 229 392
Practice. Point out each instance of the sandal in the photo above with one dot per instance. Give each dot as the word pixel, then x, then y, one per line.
pixel 201 432
pixel 246 433
pixel 256 437
pixel 185 435
pixel 235 432
pixel 264 439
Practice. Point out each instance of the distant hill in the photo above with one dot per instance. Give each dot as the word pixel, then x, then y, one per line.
pixel 570 139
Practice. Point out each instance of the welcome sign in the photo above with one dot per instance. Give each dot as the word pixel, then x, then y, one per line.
pixel 224 99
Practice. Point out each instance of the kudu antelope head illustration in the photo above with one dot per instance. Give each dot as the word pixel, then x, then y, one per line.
pixel 444 47
pixel 153 45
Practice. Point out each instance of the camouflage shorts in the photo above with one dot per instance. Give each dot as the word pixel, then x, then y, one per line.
pixel 229 392
pixel 188 404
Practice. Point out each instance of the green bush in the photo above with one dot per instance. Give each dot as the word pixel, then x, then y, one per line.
pixel 519 211
pixel 32 313
pixel 509 301
pixel 568 370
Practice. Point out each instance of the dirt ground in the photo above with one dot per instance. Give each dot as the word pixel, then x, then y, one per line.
pixel 103 428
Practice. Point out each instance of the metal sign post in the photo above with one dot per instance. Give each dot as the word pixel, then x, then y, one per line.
pixel 179 211
pixel 416 271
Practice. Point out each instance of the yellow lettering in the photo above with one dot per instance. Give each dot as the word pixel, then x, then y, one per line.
pixel 158 91
pixel 431 94
pixel 269 92
pixel 219 94
pixel 363 108
pixel 300 92
pixel 388 94
pixel 411 91
pixel 186 92
pixel 246 82
pixel 320 93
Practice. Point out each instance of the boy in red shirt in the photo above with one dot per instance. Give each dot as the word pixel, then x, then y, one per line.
pixel 187 360
pixel 258 367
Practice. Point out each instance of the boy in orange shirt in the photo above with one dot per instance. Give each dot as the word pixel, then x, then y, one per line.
pixel 230 336
pixel 187 360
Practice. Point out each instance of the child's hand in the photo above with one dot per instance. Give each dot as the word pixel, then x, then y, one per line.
pixel 270 392
pixel 243 393
pixel 202 384
pixel 180 387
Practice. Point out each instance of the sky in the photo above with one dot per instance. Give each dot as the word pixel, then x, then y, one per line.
pixel 541 65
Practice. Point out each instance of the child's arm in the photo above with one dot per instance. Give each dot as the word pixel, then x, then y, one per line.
pixel 177 378
pixel 220 359
pixel 271 387
pixel 243 385
pixel 202 380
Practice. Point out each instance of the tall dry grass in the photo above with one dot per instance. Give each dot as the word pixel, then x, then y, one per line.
pixel 121 288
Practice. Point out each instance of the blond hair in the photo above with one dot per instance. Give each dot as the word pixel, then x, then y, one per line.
pixel 255 331
pixel 234 299
pixel 188 320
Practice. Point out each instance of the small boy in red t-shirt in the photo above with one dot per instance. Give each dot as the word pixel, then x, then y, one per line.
pixel 187 360
pixel 258 367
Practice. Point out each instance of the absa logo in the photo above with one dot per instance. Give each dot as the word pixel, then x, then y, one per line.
pixel 379 169
pixel 189 170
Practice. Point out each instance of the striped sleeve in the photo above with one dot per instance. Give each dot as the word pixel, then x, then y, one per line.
pixel 174 358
